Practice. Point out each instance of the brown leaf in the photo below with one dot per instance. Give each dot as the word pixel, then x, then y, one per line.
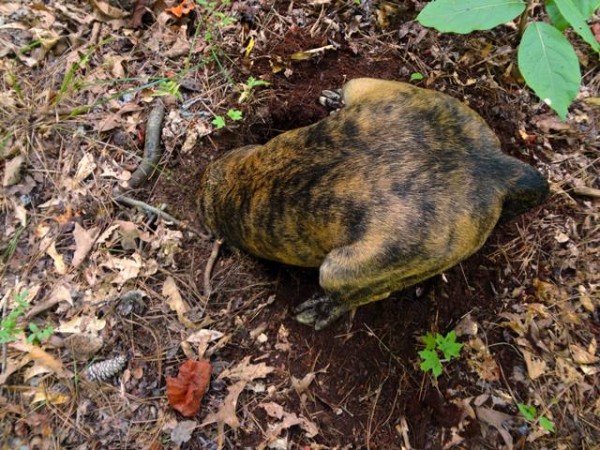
pixel 84 241
pixel 496 419
pixel 176 302
pixel 535 367
pixel 12 171
pixel 42 358
pixel 582 356
pixel 184 8
pixel 226 413
pixel 186 391
pixel 246 371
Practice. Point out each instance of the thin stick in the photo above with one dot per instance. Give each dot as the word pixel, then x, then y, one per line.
pixel 159 212
pixel 209 266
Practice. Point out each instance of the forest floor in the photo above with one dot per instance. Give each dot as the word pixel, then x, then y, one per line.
pixel 86 278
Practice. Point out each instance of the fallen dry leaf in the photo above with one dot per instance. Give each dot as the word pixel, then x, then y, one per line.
pixel 535 367
pixel 82 324
pixel 184 8
pixel 176 302
pixel 42 357
pixel 182 433
pixel 185 392
pixel 84 241
pixel 582 356
pixel 59 262
pixel 496 419
pixel 85 167
pixel 12 171
pixel 244 372
pixel 50 397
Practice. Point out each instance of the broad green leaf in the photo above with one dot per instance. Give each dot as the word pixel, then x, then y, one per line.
pixel 464 16
pixel 588 7
pixel 550 66
pixel 429 341
pixel 546 424
pixel 569 9
pixel 555 16
pixel 234 114
pixel 529 412
pixel 219 122
pixel 448 345
pixel 431 362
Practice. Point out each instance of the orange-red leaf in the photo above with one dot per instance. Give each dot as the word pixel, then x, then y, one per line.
pixel 183 8
pixel 186 390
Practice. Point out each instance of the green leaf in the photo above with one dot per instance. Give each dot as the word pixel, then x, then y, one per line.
pixel 416 76
pixel 546 424
pixel 234 114
pixel 529 412
pixel 448 345
pixel 555 16
pixel 571 12
pixel 430 362
pixel 550 66
pixel 464 16
pixel 219 122
pixel 429 341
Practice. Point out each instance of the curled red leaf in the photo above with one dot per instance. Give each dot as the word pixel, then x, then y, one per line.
pixel 186 390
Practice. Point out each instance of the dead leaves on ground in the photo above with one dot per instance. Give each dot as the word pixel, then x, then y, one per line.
pixel 185 392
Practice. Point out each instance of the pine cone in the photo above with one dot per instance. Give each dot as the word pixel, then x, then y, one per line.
pixel 104 370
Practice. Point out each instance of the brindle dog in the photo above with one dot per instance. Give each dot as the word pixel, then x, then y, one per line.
pixel 399 185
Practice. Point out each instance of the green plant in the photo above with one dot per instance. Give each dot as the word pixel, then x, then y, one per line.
pixel 233 114
pixel 546 59
pixel 416 76
pixel 531 415
pixel 434 345
pixel 168 87
pixel 9 327
pixel 249 86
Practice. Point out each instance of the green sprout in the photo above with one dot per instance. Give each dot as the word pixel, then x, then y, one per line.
pixel 434 345
pixel 530 414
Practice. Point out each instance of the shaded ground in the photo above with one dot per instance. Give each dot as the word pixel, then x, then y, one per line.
pixel 525 306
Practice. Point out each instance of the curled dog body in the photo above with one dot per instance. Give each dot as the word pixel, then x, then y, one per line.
pixel 399 185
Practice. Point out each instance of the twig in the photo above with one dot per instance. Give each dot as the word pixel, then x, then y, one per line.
pixel 209 266
pixel 4 352
pixel 152 150
pixel 586 191
pixel 159 212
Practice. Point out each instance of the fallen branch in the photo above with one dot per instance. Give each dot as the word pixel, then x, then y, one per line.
pixel 209 266
pixel 159 212
pixel 152 150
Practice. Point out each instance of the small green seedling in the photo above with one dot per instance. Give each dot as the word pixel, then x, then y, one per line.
pixel 220 121
pixel 168 87
pixel 39 335
pixel 9 327
pixel 249 86
pixel 530 414
pixel 546 59
pixel 416 76
pixel 434 345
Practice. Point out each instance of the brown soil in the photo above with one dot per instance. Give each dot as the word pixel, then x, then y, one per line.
pixel 368 374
